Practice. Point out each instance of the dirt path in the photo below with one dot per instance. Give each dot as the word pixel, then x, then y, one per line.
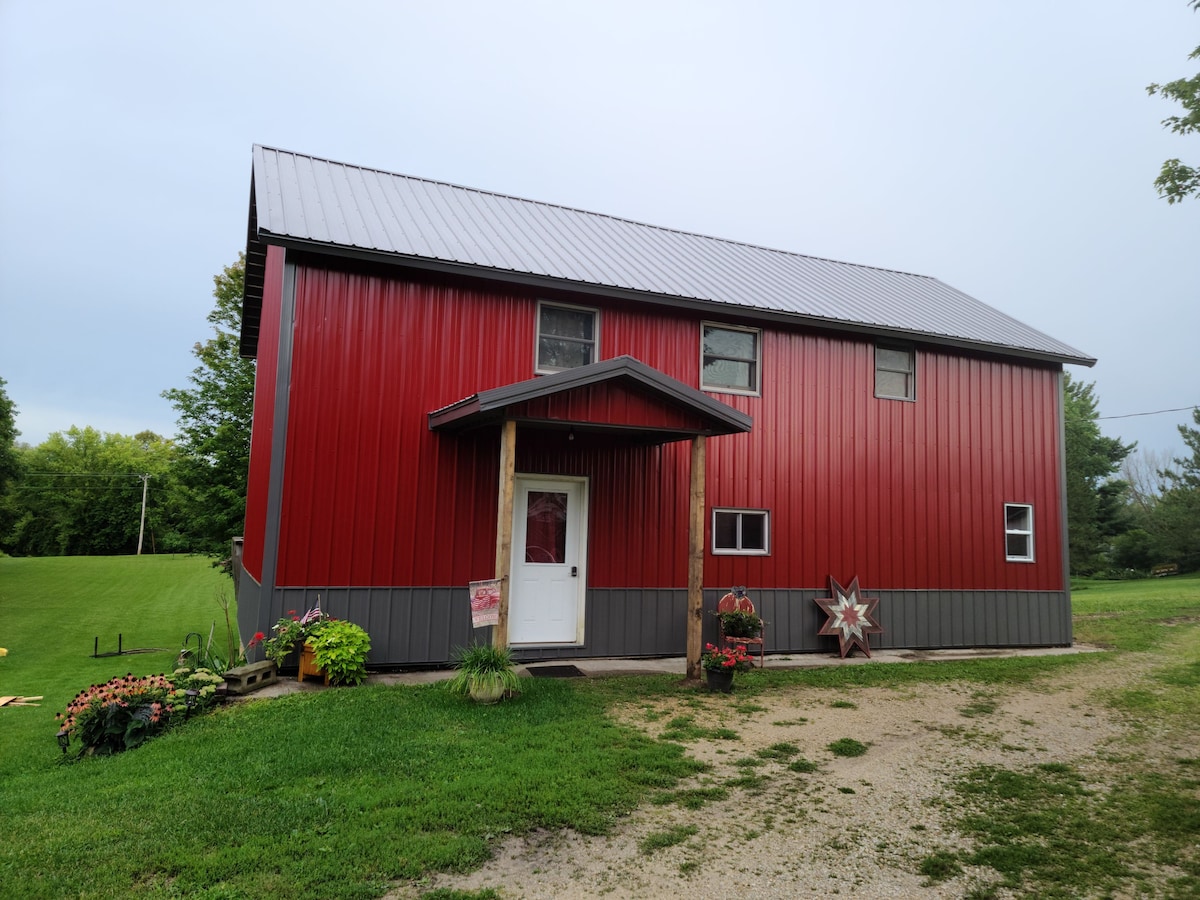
pixel 855 826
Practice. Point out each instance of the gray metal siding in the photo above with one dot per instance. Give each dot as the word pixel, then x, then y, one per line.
pixel 422 626
pixel 307 201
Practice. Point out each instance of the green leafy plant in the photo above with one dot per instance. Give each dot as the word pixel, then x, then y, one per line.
pixel 739 623
pixel 340 650
pixel 125 712
pixel 485 673
pixel 725 659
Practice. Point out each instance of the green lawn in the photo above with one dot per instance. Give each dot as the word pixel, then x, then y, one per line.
pixel 338 793
pixel 51 611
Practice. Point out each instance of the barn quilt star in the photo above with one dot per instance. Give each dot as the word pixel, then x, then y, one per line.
pixel 851 616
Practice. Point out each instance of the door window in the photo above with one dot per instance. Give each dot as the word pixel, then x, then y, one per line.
pixel 546 527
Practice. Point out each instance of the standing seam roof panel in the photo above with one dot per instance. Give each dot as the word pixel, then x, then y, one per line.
pixel 319 201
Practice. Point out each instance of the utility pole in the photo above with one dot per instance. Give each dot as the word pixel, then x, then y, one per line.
pixel 142 527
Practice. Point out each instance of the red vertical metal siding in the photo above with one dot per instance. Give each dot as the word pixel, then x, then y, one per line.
pixel 263 421
pixel 904 495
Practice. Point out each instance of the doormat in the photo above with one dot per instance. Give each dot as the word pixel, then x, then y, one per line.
pixel 554 672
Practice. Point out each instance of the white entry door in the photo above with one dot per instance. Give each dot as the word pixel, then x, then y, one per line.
pixel 545 602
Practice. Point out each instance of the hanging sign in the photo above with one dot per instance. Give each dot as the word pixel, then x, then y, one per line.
pixel 485 603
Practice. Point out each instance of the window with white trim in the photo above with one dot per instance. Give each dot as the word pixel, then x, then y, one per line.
pixel 729 358
pixel 741 531
pixel 567 337
pixel 1018 532
pixel 895 372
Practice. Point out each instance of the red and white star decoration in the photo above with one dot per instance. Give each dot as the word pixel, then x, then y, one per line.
pixel 851 616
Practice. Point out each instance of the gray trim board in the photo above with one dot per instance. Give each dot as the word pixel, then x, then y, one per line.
pixel 283 380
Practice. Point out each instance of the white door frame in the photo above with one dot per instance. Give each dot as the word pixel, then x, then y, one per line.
pixel 525 481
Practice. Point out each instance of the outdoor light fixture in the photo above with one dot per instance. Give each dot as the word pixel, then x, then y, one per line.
pixel 64 739
pixel 189 697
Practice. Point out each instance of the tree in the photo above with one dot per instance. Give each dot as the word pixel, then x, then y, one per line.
pixel 1177 181
pixel 1095 507
pixel 10 460
pixel 81 493
pixel 214 426
pixel 1177 514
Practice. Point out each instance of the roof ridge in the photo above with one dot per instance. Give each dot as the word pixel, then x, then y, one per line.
pixel 589 212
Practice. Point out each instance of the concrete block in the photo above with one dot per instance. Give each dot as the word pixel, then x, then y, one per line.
pixel 251 677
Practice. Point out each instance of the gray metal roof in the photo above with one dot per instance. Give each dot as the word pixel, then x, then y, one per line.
pixel 302 201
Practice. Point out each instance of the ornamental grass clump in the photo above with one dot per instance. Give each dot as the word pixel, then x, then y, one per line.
pixel 485 673
pixel 125 712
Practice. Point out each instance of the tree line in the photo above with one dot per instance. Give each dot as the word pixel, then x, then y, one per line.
pixel 1128 511
pixel 81 492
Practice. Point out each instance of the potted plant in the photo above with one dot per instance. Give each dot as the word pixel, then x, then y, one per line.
pixel 720 664
pixel 340 656
pixel 339 650
pixel 485 673
pixel 738 623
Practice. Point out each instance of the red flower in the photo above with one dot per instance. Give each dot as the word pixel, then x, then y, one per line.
pixel 257 639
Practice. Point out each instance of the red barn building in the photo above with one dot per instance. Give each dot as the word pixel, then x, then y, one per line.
pixel 420 346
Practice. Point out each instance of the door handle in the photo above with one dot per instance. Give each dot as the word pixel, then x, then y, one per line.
pixel 574 571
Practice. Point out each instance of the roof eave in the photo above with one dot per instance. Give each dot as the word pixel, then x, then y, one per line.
pixel 706 306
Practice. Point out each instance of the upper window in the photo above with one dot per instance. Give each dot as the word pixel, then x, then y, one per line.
pixel 745 531
pixel 895 372
pixel 729 359
pixel 567 337
pixel 1018 532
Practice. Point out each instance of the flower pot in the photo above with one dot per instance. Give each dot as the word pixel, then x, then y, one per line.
pixel 308 665
pixel 719 680
pixel 486 689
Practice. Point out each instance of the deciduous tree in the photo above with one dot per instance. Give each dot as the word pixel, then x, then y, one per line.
pixel 214 425
pixel 10 461
pixel 81 493
pixel 1178 181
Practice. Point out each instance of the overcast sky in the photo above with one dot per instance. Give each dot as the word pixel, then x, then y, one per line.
pixel 1008 149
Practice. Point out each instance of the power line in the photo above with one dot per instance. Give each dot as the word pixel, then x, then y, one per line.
pixel 1156 412
pixel 89 474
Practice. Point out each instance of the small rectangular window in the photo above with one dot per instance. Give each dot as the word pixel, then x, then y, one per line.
pixel 740 531
pixel 729 359
pixel 1018 532
pixel 567 337
pixel 895 372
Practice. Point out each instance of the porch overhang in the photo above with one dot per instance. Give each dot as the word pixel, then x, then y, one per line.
pixel 621 395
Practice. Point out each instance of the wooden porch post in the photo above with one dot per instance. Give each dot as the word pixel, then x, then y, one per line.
pixel 504 525
pixel 695 608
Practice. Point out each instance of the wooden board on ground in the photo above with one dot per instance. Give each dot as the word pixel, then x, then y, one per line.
pixel 19 701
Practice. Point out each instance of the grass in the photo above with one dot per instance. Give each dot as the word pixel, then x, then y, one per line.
pixel 340 793
pixel 51 610
pixel 660 840
pixel 358 787
pixel 847 747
